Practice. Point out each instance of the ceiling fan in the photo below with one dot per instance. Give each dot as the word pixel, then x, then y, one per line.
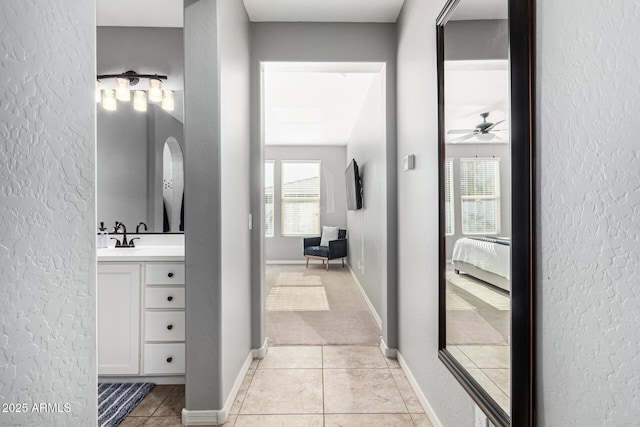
pixel 483 131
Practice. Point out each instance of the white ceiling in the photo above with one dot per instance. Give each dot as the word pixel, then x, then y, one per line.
pixel 169 13
pixel 139 13
pixel 323 10
pixel 307 106
pixel 480 10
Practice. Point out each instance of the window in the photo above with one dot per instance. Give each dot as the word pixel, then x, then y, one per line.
pixel 480 194
pixel 449 227
pixel 269 167
pixel 300 198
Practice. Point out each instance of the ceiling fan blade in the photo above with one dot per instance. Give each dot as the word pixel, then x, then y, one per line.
pixel 494 125
pixel 462 138
pixel 454 131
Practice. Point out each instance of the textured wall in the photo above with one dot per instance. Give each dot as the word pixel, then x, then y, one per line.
pixel 418 214
pixel 47 213
pixel 333 165
pixel 589 201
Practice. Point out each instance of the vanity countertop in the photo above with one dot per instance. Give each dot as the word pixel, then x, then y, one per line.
pixel 141 253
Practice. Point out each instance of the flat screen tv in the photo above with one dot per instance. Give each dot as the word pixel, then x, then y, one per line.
pixel 354 186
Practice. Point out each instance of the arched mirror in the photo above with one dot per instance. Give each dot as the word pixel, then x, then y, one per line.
pixel 172 186
pixel 486 203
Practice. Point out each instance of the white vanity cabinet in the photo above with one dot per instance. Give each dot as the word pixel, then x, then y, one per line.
pixel 119 319
pixel 164 319
pixel 141 318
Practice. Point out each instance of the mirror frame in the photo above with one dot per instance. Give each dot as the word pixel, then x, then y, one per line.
pixel 523 356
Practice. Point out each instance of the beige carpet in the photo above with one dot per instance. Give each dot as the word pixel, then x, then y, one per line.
pixel 316 307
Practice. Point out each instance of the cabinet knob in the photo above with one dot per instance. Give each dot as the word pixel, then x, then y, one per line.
pixel 169 327
pixel 169 359
pixel 169 298
pixel 170 274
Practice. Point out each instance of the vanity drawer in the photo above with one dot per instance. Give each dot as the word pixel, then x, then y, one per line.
pixel 164 358
pixel 164 297
pixel 164 325
pixel 164 274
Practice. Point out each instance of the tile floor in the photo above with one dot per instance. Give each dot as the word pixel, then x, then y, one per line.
pixel 306 386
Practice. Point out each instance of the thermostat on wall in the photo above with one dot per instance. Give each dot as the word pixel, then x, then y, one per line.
pixel 409 162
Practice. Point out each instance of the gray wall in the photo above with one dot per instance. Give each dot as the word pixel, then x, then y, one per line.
pixel 203 390
pixel 587 312
pixel 333 164
pixel 47 211
pixel 588 224
pixel 367 226
pixel 121 169
pixel 216 199
pixel 468 40
pixel 418 214
pixel 145 50
pixel 233 27
pixel 321 42
pixel 129 169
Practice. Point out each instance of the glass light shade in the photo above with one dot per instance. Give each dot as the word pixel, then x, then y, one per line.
pixel 155 90
pixel 168 101
pixel 140 100
pixel 123 93
pixel 109 100
pixel 98 92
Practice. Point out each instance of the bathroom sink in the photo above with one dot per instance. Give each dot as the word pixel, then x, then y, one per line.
pixel 142 253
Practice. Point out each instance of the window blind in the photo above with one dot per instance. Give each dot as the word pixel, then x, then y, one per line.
pixel 480 195
pixel 269 168
pixel 300 198
pixel 449 227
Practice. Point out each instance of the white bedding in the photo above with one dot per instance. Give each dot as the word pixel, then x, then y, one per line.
pixel 492 257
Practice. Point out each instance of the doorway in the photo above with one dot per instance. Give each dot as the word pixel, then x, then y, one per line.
pixel 316 118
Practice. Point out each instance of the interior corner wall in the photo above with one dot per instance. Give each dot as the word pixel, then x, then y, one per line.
pixel 367 239
pixel 233 24
pixel 321 42
pixel 418 214
pixel 47 211
pixel 588 312
pixel 333 198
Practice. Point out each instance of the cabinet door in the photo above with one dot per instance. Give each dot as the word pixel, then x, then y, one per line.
pixel 118 319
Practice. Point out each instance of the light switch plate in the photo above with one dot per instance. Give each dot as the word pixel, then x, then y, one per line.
pixel 409 162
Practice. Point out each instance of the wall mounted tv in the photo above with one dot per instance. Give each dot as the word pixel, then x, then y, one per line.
pixel 354 186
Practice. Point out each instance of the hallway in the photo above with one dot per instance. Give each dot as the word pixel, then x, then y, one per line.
pixel 328 386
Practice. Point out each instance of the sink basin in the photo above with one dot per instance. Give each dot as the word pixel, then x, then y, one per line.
pixel 142 253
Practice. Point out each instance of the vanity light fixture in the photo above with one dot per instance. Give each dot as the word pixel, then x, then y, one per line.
pixel 155 90
pixel 140 100
pixel 168 102
pixel 109 100
pixel 123 91
pixel 124 82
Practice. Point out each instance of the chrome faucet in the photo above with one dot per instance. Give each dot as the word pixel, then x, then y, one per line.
pixel 138 227
pixel 124 243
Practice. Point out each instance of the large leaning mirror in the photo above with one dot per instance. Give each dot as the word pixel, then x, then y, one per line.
pixel 486 202
pixel 140 143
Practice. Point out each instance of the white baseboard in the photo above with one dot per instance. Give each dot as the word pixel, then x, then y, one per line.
pixel 259 353
pixel 366 298
pixel 391 353
pixel 285 261
pixel 218 417
pixel 428 410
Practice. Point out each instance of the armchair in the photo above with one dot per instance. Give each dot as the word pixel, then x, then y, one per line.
pixel 336 249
